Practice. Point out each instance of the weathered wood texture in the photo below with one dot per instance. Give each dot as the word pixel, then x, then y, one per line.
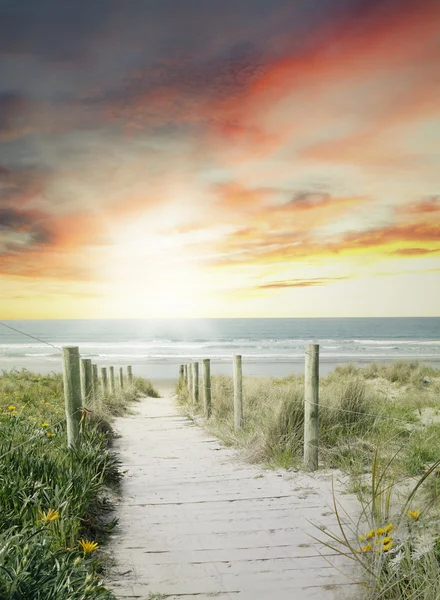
pixel 195 383
pixel 311 408
pixel 207 387
pixel 111 371
pixel 238 393
pixel 72 393
pixel 86 380
pixel 197 523
pixel 190 380
pixel 95 381
pixel 121 377
pixel 104 380
pixel 130 374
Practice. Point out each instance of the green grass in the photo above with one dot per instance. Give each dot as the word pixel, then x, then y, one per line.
pixel 360 409
pixel 40 558
pixel 378 423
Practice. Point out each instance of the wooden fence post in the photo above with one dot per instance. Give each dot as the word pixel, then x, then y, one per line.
pixel 181 374
pixel 104 380
pixel 195 382
pixel 207 386
pixel 190 379
pixel 130 375
pixel 86 380
pixel 72 393
pixel 95 382
pixel 121 377
pixel 238 393
pixel 111 371
pixel 311 408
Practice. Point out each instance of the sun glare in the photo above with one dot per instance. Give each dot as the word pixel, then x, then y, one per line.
pixel 152 275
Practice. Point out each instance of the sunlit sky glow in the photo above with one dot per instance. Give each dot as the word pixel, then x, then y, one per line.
pixel 235 158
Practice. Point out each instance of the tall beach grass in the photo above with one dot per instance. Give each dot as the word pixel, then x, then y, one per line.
pixel 54 504
pixel 381 425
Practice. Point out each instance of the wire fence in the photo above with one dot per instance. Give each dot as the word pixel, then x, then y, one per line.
pixel 33 337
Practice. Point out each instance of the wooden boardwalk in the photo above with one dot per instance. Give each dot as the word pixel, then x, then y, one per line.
pixel 196 522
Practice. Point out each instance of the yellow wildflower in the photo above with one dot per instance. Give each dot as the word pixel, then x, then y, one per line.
pixel 414 514
pixel 88 546
pixel 366 548
pixel 387 540
pixel 50 434
pixel 44 424
pixel 370 534
pixel 389 528
pixel 381 531
pixel 11 407
pixel 50 515
pixel 361 538
pixel 386 547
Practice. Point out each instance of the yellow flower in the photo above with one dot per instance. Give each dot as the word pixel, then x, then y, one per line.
pixel 88 546
pixel 50 434
pixel 389 528
pixel 386 547
pixel 381 531
pixel 370 534
pixel 44 424
pixel 361 538
pixel 11 407
pixel 387 540
pixel 414 514
pixel 50 515
pixel 366 548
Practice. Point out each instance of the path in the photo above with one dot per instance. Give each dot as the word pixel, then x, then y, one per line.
pixel 197 523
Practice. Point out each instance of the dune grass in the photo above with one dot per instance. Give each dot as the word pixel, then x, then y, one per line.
pixel 381 425
pixel 54 506
pixel 360 409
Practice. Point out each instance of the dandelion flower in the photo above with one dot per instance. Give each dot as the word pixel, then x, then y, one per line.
pixel 87 546
pixel 11 407
pixel 44 424
pixel 50 515
pixel 50 434
pixel 414 514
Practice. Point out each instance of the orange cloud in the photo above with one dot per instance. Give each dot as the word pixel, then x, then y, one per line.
pixel 300 283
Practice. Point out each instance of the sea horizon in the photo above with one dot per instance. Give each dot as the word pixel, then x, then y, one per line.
pixel 269 346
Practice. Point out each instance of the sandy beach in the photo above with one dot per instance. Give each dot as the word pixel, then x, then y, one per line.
pixel 167 370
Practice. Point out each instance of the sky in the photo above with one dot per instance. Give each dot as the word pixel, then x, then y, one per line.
pixel 233 158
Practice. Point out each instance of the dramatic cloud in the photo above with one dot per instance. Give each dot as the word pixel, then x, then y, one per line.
pixel 231 151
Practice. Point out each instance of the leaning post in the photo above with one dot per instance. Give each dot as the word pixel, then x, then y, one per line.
pixel 72 393
pixel 85 369
pixel 207 386
pixel 311 407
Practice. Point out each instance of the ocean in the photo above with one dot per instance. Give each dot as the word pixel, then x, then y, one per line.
pixel 270 347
